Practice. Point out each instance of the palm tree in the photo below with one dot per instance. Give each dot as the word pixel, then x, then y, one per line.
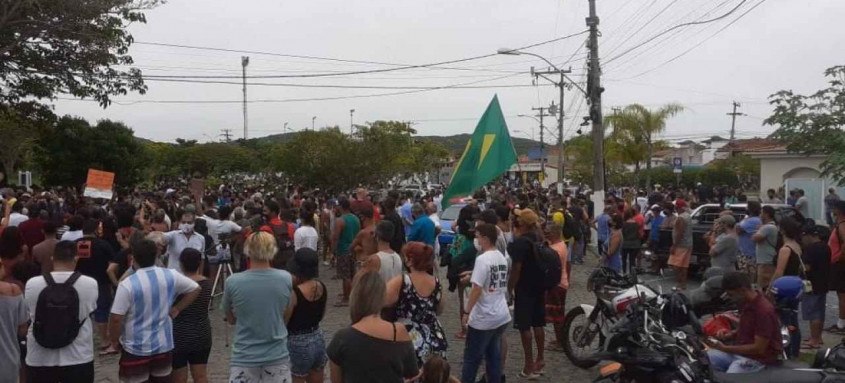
pixel 634 128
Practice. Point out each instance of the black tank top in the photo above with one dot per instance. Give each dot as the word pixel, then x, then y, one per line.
pixel 307 315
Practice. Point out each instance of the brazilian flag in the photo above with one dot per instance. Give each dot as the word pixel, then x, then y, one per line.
pixel 488 154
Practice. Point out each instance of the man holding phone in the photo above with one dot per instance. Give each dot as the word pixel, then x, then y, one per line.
pixel 756 344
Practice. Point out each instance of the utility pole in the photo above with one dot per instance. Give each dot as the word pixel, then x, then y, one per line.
pixel 244 63
pixel 733 119
pixel 313 119
pixel 351 124
pixel 227 134
pixel 541 112
pixel 561 86
pixel 595 90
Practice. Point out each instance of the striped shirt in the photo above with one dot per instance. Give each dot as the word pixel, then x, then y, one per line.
pixel 145 299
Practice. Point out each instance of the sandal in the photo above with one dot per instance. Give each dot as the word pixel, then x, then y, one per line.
pixel 531 376
pixel 810 347
pixel 834 329
pixel 460 335
pixel 108 351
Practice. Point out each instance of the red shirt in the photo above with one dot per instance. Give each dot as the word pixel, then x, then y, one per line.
pixel 640 219
pixel 32 234
pixel 758 318
pixel 834 243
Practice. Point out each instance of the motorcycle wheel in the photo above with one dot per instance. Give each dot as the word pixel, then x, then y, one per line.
pixel 572 335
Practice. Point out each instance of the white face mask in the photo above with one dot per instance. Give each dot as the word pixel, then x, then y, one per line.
pixel 476 244
pixel 187 228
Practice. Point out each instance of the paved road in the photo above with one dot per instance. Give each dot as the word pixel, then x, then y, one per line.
pixel 558 368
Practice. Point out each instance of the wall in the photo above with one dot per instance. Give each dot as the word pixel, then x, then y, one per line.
pixel 773 169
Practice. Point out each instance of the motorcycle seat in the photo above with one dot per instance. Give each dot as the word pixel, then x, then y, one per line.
pixel 785 373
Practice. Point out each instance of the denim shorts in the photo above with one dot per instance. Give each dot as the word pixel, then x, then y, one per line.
pixel 813 306
pixel 307 353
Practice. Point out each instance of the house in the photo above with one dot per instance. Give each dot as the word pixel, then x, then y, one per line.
pixel 782 169
pixel 690 153
pixel 711 147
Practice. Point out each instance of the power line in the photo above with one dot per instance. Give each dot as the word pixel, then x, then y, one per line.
pixel 684 53
pixel 675 35
pixel 673 28
pixel 397 68
pixel 333 86
pixel 453 86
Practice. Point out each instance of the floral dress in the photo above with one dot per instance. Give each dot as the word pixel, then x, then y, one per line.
pixel 419 315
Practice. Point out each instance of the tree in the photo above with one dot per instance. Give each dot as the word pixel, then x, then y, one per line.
pixel 67 150
pixel 19 131
pixel 64 46
pixel 634 129
pixel 812 124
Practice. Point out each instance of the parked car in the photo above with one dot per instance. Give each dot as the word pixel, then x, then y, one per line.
pixel 448 223
pixel 702 219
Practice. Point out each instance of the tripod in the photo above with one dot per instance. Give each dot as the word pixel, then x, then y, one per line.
pixel 224 269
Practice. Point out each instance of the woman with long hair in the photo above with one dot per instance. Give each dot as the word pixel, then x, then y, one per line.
pixel 305 338
pixel 417 297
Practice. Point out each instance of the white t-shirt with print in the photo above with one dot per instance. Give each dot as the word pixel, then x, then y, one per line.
pixel 491 275
pixel 82 349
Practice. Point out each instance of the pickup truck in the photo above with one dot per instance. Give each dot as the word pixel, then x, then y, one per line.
pixel 703 218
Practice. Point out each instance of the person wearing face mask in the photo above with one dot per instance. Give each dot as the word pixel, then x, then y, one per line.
pixel 178 240
pixel 756 344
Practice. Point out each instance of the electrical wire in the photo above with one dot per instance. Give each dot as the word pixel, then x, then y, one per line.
pixel 673 28
pixel 452 86
pixel 397 68
pixel 684 53
pixel 642 27
pixel 674 37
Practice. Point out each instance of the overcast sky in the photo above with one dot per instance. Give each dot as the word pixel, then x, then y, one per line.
pixel 782 44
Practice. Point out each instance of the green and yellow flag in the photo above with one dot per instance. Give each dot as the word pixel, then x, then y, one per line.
pixel 488 154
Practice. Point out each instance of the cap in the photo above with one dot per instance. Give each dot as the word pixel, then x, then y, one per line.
pixel 304 263
pixel 727 220
pixel 680 203
pixel 526 217
pixel 656 207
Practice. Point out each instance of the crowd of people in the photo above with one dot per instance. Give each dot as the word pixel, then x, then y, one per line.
pixel 139 273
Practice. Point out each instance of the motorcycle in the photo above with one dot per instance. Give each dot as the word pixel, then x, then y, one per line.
pixel 828 367
pixel 614 293
pixel 656 342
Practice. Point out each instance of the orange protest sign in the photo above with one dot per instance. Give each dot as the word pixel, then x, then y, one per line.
pixel 99 184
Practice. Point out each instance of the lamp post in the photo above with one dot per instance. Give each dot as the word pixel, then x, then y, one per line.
pixel 561 84
pixel 351 124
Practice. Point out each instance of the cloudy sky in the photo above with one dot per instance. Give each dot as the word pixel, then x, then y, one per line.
pixel 746 56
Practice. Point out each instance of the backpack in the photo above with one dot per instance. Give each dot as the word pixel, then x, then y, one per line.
pixel 285 246
pixel 571 227
pixel 549 262
pixel 57 321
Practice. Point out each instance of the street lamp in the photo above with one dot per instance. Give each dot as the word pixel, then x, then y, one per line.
pixel 560 84
pixel 285 128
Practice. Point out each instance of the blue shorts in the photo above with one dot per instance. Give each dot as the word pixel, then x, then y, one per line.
pixel 813 306
pixel 104 299
pixel 307 353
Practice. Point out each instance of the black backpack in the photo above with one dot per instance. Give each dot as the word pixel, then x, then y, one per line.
pixel 57 321
pixel 571 226
pixel 549 262
pixel 285 246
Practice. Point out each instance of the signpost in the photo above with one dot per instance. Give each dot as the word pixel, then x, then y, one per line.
pixel 99 184
pixel 677 168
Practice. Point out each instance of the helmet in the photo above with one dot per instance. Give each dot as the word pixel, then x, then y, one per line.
pixel 787 289
pixel 676 311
